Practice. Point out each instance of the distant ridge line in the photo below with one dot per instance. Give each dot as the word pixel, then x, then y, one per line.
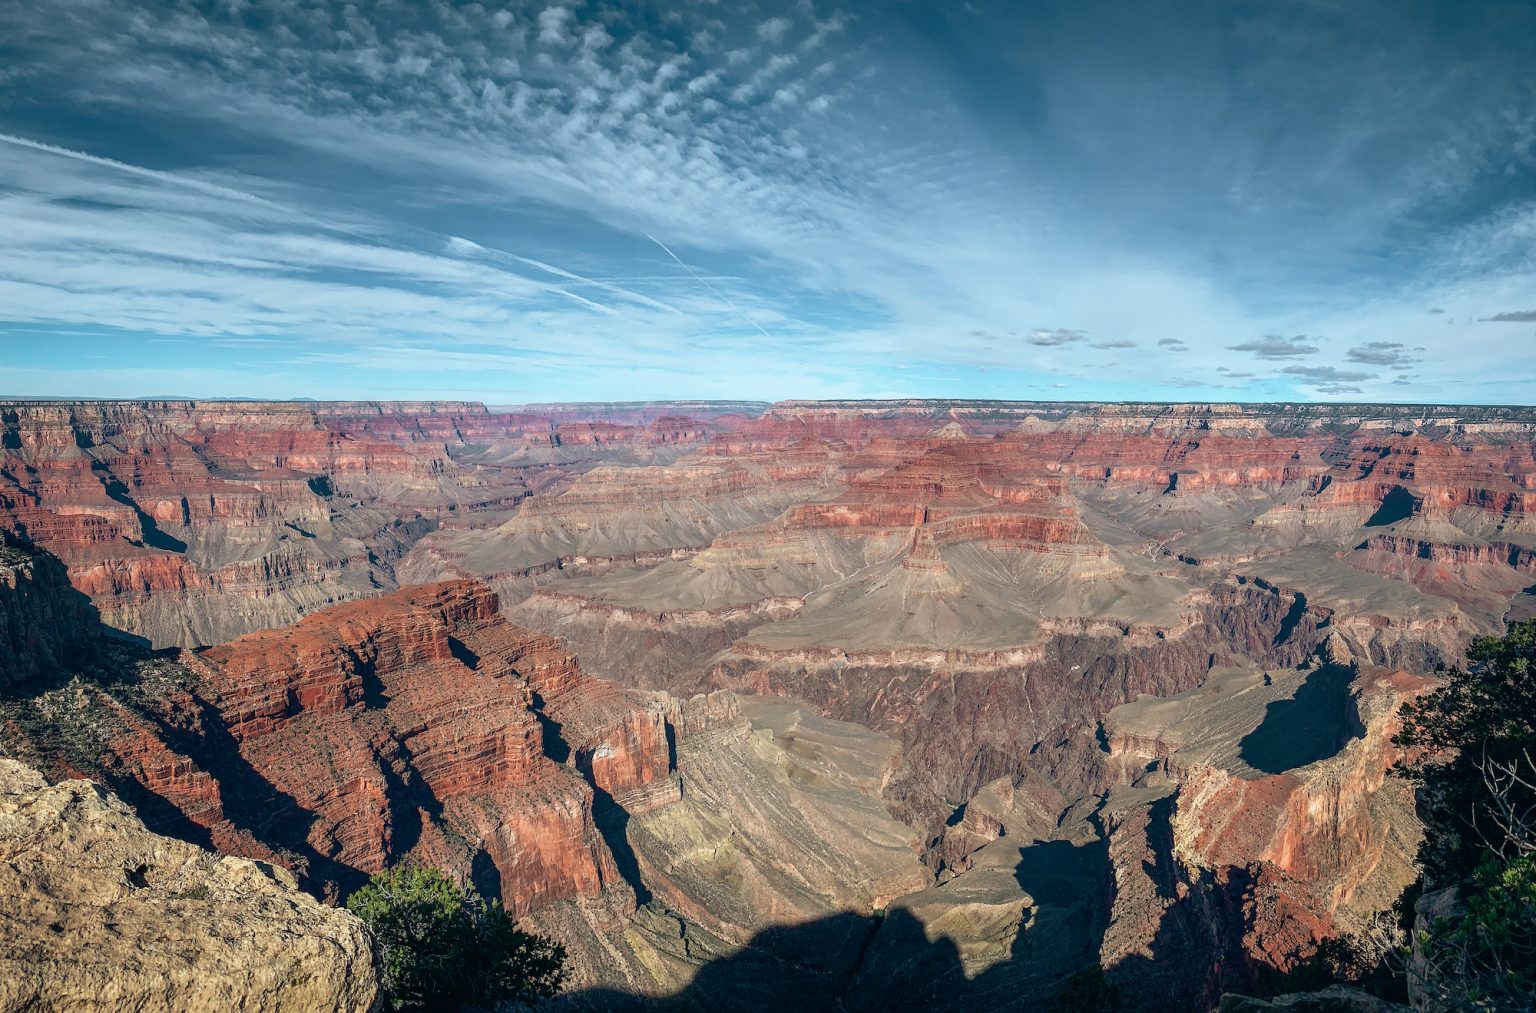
pixel 937 407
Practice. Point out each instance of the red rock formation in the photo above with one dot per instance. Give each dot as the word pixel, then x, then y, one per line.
pixel 986 583
pixel 419 726
pixel 424 702
pixel 1271 862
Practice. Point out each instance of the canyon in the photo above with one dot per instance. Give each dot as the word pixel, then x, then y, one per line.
pixel 866 705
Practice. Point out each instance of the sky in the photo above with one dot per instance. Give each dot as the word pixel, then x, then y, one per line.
pixel 1322 200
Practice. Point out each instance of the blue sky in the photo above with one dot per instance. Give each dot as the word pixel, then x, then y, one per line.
pixel 1327 200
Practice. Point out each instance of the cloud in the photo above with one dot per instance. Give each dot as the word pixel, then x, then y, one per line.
pixel 1514 317
pixel 1273 346
pixel 856 199
pixel 1325 374
pixel 773 30
pixel 1113 344
pixel 1055 338
pixel 596 37
pixel 1382 353
pixel 174 179
pixel 554 25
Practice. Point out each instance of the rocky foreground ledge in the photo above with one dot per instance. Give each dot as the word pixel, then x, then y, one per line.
pixel 100 913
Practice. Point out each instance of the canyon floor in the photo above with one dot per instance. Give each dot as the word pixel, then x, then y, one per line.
pixel 860 705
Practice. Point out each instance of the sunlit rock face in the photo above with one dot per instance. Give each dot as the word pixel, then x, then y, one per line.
pixel 846 702
pixel 101 914
pixel 402 728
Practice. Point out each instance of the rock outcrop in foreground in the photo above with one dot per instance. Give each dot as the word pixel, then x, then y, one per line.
pixel 101 914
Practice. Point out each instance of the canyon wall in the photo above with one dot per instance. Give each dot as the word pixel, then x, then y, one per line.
pixel 41 614
pixel 191 522
pixel 421 727
pixel 864 700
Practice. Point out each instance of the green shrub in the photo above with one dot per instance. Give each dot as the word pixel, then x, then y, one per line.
pixel 443 947
pixel 1486 957
pixel 1475 763
pixel 1474 740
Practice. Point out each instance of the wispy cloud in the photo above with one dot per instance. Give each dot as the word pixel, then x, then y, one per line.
pixel 825 194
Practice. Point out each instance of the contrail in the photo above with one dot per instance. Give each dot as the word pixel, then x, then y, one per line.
pixel 215 190
pixel 561 272
pixel 719 294
pixel 212 189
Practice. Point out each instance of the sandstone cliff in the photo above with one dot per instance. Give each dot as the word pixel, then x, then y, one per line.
pixel 1258 812
pixel 651 835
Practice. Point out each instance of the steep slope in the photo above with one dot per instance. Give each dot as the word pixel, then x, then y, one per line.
pixel 1240 823
pixel 1041 682
pixel 40 614
pixel 1259 804
pixel 939 568
pixel 779 827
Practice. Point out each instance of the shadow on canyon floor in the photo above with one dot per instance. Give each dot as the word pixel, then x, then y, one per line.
pixel 848 962
pixel 1314 724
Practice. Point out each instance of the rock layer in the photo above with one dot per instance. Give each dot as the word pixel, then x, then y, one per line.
pixel 420 726
pixel 192 522
pixel 1056 667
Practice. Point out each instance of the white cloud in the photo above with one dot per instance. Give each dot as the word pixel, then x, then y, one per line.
pixel 554 25
pixel 773 30
pixel 860 216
